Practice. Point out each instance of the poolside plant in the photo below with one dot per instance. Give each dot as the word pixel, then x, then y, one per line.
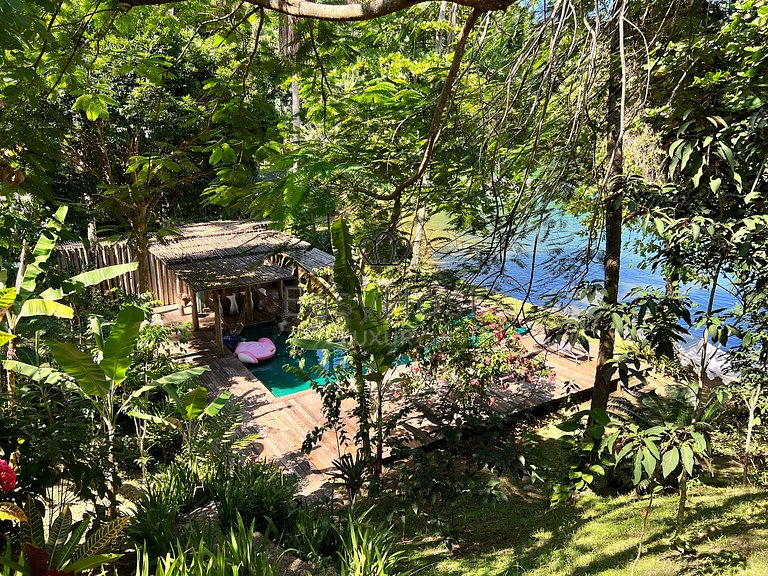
pixel 368 550
pixel 191 409
pixel 161 499
pixel 370 344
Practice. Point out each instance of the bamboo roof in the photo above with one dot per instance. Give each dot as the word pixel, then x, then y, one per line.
pixel 232 253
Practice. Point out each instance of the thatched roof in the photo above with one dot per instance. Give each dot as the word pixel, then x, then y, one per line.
pixel 234 253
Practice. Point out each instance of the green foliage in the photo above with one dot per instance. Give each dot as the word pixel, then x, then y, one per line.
pixel 66 549
pixel 367 550
pixel 236 553
pixel 259 492
pixel 162 498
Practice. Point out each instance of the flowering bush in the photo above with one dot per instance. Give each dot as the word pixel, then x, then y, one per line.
pixel 8 510
pixel 474 354
pixel 7 477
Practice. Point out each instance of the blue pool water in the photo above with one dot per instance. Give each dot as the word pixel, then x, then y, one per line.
pixel 270 372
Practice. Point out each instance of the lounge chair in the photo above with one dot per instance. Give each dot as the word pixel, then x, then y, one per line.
pixel 566 350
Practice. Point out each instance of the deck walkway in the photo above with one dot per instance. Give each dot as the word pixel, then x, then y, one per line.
pixel 283 423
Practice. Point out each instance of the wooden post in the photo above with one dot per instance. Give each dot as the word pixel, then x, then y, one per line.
pixel 195 318
pixel 281 298
pixel 249 303
pixel 218 312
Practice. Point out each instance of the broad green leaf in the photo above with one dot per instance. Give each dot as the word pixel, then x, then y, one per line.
pixel 41 253
pixel 652 448
pixel 35 523
pixel 194 402
pixel 57 535
pixel 7 298
pixel 153 418
pixel 40 307
pixel 5 338
pixel 64 552
pixel 649 462
pixel 89 278
pixel 90 562
pixel 36 373
pixel 670 461
pixel 181 376
pixel 637 468
pixel 218 403
pixel 80 366
pixel 686 455
pixel 98 334
pixel 121 343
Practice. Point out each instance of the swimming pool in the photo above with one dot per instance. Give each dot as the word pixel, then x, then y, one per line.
pixel 270 372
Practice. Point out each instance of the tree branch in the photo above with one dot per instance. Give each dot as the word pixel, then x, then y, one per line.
pixel 342 12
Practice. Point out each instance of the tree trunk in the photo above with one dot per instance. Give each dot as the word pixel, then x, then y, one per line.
pixel 378 464
pixel 613 215
pixel 10 375
pixel 752 407
pixel 363 407
pixel 113 478
pixel 680 518
pixel 419 238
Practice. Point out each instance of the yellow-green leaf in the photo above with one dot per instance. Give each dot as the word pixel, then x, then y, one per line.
pixel 10 511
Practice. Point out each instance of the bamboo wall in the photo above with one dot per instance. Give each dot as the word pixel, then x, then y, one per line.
pixel 163 282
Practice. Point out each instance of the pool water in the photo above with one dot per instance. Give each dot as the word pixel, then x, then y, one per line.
pixel 270 372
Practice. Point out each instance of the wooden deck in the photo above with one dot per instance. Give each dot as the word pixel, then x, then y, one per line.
pixel 283 423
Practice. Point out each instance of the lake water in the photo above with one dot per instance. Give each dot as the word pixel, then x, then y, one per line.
pixel 556 268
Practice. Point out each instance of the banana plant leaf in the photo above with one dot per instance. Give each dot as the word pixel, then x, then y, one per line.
pixel 41 253
pixel 89 278
pixel 120 344
pixel 7 298
pixel 41 307
pixel 5 338
pixel 80 366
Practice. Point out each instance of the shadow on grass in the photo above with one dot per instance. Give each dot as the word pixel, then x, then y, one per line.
pixel 521 536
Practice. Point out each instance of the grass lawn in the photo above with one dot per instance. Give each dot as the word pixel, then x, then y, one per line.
pixel 727 528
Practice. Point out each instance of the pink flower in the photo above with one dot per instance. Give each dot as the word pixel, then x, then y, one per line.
pixel 552 376
pixel 487 360
pixel 7 477
pixel 475 382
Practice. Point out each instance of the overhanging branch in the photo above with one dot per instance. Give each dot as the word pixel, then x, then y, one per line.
pixel 341 12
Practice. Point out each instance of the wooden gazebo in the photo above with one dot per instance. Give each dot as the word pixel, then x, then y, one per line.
pixel 235 258
pixel 204 263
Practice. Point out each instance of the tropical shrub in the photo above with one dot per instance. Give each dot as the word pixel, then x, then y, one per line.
pixel 236 553
pixel 162 498
pixel 261 493
pixel 470 355
pixel 65 549
pixel 367 550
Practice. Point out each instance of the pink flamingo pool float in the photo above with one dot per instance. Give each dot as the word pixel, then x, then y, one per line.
pixel 255 352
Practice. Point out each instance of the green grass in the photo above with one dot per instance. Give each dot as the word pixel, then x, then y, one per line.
pixel 727 529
